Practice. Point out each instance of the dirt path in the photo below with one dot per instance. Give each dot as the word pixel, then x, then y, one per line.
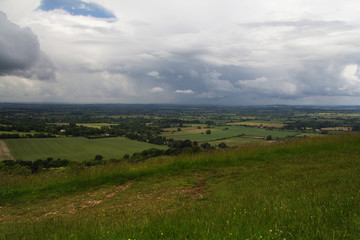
pixel 4 152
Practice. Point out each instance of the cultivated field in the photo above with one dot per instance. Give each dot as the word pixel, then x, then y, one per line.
pixel 225 132
pixel 75 148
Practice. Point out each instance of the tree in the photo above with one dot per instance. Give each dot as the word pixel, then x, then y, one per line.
pixel 206 145
pixel 269 137
pixel 222 145
pixel 98 158
pixel 208 131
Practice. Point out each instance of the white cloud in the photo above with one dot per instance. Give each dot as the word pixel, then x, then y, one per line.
pixel 188 91
pixel 351 80
pixel 154 74
pixel 156 90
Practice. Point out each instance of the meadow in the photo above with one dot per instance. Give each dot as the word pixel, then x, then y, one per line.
pixel 75 148
pixel 296 189
pixel 224 132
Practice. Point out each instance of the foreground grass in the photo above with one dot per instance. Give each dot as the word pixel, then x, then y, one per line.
pixel 75 148
pixel 300 189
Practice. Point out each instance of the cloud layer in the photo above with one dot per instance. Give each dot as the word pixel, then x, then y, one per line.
pixel 223 52
pixel 20 53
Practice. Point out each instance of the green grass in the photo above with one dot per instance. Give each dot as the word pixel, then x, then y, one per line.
pixel 234 131
pixel 298 189
pixel 75 148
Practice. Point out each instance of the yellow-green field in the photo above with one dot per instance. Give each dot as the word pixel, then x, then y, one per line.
pixel 257 124
pixel 20 133
pixel 96 125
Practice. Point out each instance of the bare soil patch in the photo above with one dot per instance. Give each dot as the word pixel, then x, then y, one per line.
pixel 5 152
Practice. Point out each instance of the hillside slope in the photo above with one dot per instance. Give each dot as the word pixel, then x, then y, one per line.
pixel 298 189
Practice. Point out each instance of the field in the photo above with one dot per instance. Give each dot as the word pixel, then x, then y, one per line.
pixel 96 125
pixel 236 141
pixel 20 133
pixel 297 189
pixel 76 148
pixel 258 124
pixel 218 133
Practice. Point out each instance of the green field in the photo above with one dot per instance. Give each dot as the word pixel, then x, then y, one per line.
pixel 235 141
pixel 75 148
pixel 300 189
pixel 233 131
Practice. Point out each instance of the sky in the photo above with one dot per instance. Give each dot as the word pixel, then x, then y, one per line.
pixel 223 52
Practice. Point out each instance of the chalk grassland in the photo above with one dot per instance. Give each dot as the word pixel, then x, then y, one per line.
pixel 224 132
pixel 4 152
pixel 75 148
pixel 298 189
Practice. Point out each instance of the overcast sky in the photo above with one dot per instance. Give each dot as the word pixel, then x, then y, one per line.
pixel 180 51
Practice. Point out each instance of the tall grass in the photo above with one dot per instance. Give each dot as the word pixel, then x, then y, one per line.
pixel 30 188
pixel 298 189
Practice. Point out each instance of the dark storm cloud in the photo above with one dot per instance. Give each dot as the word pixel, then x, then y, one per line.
pixel 20 53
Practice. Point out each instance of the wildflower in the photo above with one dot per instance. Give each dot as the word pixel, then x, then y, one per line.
pixel 162 234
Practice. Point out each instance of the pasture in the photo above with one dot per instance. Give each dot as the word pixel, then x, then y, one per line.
pixel 235 141
pixel 224 132
pixel 75 148
pixel 300 189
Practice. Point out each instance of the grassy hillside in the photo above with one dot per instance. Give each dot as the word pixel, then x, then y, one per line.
pixel 75 148
pixel 299 189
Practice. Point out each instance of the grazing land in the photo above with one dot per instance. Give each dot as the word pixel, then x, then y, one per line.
pixel 75 148
pixel 297 189
pixel 225 132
